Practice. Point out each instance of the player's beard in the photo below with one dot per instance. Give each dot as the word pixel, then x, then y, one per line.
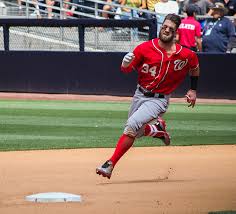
pixel 166 39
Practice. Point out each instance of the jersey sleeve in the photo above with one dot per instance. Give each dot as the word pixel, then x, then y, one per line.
pixel 138 57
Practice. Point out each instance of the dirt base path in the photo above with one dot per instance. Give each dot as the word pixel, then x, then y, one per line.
pixel 189 180
pixel 38 96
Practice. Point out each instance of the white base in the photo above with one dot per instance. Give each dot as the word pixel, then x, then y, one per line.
pixel 53 197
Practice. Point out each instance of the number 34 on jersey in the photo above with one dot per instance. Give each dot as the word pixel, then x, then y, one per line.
pixel 152 70
pixel 178 65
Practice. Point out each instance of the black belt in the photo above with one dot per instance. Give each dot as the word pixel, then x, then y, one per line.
pixel 150 94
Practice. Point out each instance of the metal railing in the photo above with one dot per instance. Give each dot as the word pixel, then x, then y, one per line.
pixel 94 10
pixel 87 11
pixel 97 38
pixel 74 35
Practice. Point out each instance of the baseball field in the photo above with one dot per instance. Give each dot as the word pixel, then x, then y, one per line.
pixel 54 143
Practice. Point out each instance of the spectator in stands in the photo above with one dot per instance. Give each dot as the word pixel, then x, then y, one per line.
pixel 19 4
pixel 151 7
pixel 49 9
pixel 37 8
pixel 181 5
pixel 204 6
pixel 74 7
pixel 54 3
pixel 163 8
pixel 151 4
pixel 128 13
pixel 110 8
pixel 230 5
pixel 217 31
pixel 66 6
pixel 189 32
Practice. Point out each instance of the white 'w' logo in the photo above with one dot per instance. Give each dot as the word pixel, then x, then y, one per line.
pixel 179 64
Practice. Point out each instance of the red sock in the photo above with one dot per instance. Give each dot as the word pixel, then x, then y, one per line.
pixel 147 130
pixel 123 145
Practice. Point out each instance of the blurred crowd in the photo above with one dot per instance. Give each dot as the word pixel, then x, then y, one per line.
pixel 212 32
pixel 45 5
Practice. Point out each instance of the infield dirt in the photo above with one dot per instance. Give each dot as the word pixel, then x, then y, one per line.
pixel 195 179
pixel 102 98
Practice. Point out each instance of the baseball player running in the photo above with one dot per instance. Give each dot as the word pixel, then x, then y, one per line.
pixel 162 65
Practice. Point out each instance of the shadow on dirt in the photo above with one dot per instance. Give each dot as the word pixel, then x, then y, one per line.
pixel 156 180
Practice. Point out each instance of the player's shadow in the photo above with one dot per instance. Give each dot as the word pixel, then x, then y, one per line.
pixel 156 180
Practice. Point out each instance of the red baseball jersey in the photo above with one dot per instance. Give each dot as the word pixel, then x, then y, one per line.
pixel 188 29
pixel 156 71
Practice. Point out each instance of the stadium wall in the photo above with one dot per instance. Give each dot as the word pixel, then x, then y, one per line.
pixel 99 73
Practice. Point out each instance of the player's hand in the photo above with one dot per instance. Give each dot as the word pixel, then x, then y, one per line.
pixel 191 97
pixel 128 58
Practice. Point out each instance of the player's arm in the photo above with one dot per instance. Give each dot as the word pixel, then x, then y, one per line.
pixel 199 43
pixel 192 92
pixel 198 38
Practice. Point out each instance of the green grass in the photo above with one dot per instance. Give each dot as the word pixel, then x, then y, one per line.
pixel 28 125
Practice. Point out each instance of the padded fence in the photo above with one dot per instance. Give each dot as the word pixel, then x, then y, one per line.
pixel 99 73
